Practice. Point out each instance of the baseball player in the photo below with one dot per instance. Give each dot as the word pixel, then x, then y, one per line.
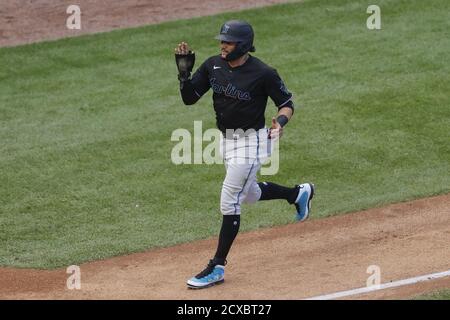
pixel 241 85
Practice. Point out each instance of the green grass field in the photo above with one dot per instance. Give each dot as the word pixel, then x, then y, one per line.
pixel 85 127
pixel 436 295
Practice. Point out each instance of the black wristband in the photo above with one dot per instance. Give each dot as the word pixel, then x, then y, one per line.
pixel 282 120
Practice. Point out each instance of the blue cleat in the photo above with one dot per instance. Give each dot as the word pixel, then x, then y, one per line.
pixel 212 275
pixel 303 201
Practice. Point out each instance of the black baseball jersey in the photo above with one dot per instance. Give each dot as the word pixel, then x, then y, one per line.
pixel 240 93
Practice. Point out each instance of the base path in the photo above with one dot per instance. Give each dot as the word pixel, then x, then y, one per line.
pixel 295 261
pixel 27 21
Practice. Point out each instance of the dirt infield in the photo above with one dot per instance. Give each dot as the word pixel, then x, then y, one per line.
pixel 36 20
pixel 295 261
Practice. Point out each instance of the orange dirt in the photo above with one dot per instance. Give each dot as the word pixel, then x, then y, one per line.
pixel 288 262
pixel 28 21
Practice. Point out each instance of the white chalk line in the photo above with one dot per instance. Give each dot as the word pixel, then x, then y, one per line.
pixel 399 283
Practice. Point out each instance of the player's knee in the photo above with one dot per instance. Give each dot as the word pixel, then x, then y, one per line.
pixel 253 194
pixel 228 208
pixel 251 197
pixel 230 199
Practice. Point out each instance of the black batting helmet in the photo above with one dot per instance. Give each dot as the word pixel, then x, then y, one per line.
pixel 240 32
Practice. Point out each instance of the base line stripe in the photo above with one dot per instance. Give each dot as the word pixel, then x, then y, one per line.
pixel 393 284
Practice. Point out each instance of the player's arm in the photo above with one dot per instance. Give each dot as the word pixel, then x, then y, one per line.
pixel 185 59
pixel 283 116
pixel 286 112
pixel 282 98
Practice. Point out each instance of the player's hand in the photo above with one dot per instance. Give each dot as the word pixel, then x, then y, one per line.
pixel 276 130
pixel 182 48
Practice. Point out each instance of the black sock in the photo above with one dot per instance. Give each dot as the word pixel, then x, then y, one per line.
pixel 229 230
pixel 271 191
